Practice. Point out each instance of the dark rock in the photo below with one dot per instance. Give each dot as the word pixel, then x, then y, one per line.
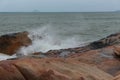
pixel 10 43
pixel 111 40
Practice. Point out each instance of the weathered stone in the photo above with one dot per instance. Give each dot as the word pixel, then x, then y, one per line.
pixel 117 51
pixel 102 58
pixel 50 69
pixel 9 72
pixel 107 41
pixel 10 43
pixel 117 77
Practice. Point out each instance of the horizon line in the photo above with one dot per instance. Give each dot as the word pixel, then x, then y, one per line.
pixel 52 11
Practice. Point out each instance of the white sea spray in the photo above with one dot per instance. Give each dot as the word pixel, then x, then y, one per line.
pixel 4 56
pixel 46 38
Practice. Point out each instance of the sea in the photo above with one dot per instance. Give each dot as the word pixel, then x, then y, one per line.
pixel 59 30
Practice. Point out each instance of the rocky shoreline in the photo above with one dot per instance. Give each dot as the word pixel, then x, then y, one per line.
pixel 98 60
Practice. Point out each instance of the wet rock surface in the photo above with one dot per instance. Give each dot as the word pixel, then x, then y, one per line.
pixel 10 43
pixel 111 40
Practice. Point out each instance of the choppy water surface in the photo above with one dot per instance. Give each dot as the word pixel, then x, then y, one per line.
pixel 60 30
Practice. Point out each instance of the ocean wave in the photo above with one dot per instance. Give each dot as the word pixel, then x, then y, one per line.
pixel 47 38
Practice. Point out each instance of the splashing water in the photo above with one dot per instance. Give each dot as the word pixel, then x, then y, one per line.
pixel 67 30
pixel 4 56
pixel 47 38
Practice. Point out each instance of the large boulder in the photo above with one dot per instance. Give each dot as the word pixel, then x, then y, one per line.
pixel 10 43
pixel 50 69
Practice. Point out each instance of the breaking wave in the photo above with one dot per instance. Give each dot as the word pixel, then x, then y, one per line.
pixel 48 38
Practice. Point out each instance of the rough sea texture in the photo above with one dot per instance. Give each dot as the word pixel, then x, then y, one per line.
pixel 60 30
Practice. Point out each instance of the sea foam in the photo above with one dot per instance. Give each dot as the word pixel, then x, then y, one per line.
pixel 4 56
pixel 47 38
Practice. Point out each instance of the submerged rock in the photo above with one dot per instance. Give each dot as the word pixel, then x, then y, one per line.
pixel 10 43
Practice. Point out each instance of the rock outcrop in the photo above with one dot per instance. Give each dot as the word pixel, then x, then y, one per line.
pixel 99 60
pixel 10 43
pixel 103 58
pixel 50 69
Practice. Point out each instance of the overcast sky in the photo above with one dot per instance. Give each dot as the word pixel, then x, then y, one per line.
pixel 59 5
